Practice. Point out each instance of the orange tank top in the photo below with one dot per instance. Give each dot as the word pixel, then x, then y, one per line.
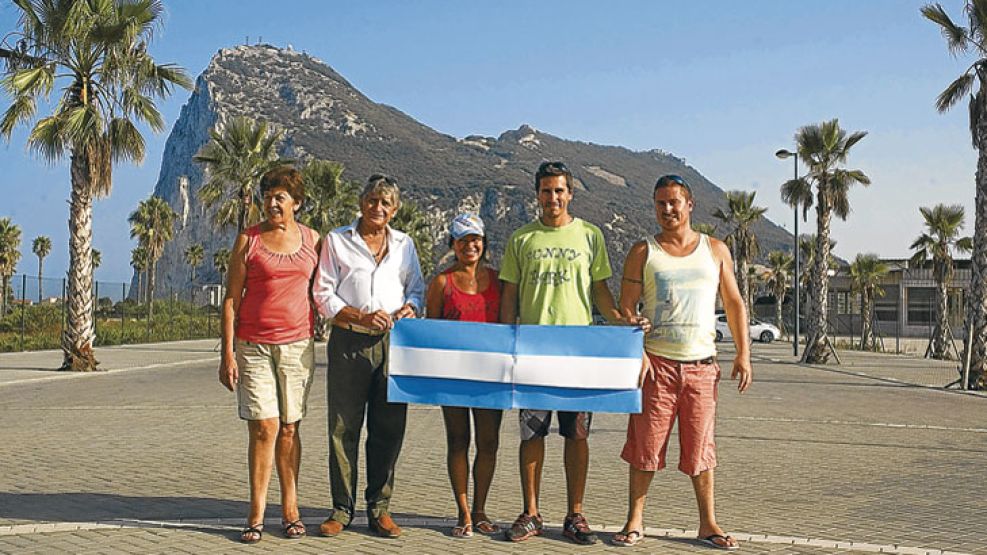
pixel 276 307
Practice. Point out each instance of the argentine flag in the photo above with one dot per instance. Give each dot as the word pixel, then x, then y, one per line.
pixel 499 366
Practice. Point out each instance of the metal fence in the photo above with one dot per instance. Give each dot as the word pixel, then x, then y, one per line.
pixel 33 314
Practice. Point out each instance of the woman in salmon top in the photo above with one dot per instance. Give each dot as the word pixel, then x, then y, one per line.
pixel 268 315
pixel 469 291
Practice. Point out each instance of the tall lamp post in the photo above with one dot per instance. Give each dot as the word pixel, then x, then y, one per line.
pixel 783 154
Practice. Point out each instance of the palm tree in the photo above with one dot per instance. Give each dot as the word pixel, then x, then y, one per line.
pixel 193 257
pixel 708 229
pixel 153 225
pixel 938 243
pixel 97 259
pixel 99 48
pixel 331 202
pixel 866 273
pixel 10 255
pixel 973 81
pixel 41 246
pixel 237 155
pixel 138 260
pixel 777 278
pixel 824 147
pixel 221 261
pixel 740 215
pixel 413 221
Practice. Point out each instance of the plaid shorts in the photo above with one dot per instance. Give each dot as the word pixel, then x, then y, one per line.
pixel 572 425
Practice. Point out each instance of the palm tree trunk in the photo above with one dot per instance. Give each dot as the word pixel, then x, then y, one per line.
pixel 743 282
pixel 140 286
pixel 77 339
pixel 3 296
pixel 151 270
pixel 41 266
pixel 939 340
pixel 779 317
pixel 867 326
pixel 976 314
pixel 815 347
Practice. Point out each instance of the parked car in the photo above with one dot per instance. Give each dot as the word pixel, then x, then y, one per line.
pixel 759 330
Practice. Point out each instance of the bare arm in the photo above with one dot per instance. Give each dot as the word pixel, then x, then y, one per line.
pixel 508 303
pixel 434 297
pixel 631 286
pixel 736 311
pixel 235 280
pixel 603 299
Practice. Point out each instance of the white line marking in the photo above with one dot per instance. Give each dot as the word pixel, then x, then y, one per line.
pixel 856 423
pixel 67 375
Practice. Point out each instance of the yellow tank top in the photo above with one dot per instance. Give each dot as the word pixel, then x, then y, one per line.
pixel 680 299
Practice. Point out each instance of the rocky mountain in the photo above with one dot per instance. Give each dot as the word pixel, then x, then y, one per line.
pixel 326 117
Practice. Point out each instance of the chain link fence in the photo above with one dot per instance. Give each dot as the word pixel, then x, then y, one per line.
pixel 33 314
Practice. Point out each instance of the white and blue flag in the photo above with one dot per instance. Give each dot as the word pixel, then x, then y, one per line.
pixel 498 366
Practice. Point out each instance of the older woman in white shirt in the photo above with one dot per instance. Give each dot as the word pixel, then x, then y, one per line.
pixel 368 278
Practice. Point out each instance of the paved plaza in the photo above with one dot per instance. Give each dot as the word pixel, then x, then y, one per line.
pixel 149 457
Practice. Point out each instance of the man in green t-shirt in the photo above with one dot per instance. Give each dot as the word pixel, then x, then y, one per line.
pixel 554 269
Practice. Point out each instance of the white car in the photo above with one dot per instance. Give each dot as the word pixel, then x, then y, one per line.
pixel 760 330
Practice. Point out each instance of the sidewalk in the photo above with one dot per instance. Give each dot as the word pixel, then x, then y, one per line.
pixel 148 457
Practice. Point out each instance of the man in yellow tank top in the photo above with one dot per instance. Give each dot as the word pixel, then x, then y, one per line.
pixel 677 274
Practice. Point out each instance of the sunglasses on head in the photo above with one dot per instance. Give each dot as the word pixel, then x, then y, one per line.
pixel 555 166
pixel 381 177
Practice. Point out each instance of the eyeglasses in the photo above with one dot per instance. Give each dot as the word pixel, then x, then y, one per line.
pixel 377 177
pixel 671 179
pixel 552 167
pixel 663 181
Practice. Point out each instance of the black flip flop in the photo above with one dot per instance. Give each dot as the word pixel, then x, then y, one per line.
pixel 246 536
pixel 710 541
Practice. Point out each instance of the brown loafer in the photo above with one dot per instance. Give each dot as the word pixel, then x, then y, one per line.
pixel 330 527
pixel 384 526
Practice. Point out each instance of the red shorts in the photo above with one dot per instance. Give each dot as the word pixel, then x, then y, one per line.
pixel 683 391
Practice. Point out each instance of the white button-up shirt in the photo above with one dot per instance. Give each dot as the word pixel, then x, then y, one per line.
pixel 348 274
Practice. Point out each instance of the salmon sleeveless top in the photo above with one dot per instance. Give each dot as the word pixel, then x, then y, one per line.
pixel 276 308
pixel 475 307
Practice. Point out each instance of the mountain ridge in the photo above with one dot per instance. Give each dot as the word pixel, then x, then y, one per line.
pixel 324 116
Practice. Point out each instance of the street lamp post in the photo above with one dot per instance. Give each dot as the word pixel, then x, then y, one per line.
pixel 783 154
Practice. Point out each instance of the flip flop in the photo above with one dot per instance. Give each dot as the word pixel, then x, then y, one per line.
pixel 252 534
pixel 464 531
pixel 293 530
pixel 627 539
pixel 710 541
pixel 487 527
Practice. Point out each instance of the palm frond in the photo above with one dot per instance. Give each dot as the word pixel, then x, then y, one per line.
pixel 955 35
pixel 798 193
pixel 956 90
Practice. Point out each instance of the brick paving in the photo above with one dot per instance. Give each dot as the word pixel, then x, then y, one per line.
pixel 150 458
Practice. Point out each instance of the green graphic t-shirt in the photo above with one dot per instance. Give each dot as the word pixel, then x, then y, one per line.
pixel 554 269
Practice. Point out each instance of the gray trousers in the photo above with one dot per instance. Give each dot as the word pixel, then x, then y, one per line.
pixel 357 386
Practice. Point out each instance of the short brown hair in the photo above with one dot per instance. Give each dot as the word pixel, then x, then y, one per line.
pixel 553 169
pixel 284 177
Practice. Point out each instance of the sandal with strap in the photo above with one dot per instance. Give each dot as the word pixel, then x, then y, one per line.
pixel 628 539
pixel 252 534
pixel 464 531
pixel 486 527
pixel 293 530
pixel 719 541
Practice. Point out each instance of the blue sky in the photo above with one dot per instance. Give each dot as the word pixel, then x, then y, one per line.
pixel 720 86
